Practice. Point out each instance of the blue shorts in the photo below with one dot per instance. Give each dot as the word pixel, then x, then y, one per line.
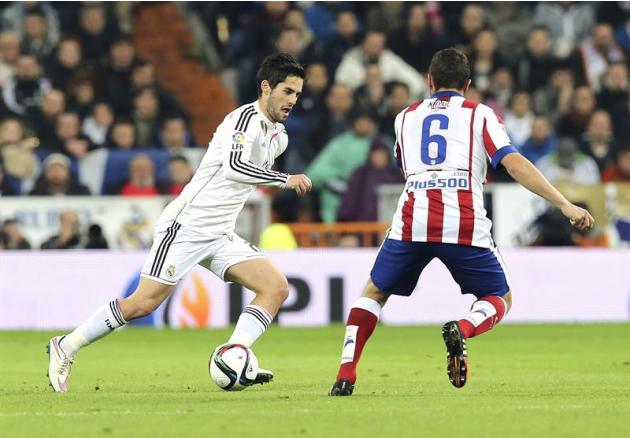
pixel 477 271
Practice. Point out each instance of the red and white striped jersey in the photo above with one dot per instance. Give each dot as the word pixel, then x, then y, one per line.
pixel 442 145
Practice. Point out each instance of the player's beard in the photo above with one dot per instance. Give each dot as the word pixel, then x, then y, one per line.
pixel 276 113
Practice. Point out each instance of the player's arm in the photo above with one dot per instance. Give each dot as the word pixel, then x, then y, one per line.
pixel 500 150
pixel 523 171
pixel 239 168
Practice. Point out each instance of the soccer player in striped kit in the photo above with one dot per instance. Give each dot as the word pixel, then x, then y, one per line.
pixel 198 226
pixel 443 145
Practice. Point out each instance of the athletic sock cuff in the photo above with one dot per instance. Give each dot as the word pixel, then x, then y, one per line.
pixel 114 309
pixel 368 304
pixel 260 314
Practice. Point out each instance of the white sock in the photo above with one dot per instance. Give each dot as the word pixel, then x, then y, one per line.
pixel 368 304
pixel 250 325
pixel 101 323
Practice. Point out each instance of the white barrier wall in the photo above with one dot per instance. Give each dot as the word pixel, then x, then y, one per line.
pixel 56 289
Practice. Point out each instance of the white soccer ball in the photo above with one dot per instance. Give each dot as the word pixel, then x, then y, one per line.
pixel 233 367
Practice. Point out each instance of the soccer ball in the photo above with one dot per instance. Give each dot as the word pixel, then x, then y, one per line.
pixel 233 367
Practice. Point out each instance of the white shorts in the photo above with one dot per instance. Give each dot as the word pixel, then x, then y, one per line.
pixel 176 250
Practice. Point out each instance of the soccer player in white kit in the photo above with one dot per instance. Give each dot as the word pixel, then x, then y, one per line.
pixel 443 145
pixel 198 226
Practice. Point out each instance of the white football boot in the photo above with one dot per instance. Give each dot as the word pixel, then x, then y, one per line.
pixel 59 365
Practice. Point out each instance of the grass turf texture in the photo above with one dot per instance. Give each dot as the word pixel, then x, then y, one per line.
pixel 538 380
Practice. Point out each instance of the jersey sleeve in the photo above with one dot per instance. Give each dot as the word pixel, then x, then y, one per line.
pixel 236 159
pixel 496 141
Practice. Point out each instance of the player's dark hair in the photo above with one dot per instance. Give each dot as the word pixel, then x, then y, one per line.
pixel 276 68
pixel 449 69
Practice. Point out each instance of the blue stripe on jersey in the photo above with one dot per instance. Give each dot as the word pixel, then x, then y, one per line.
pixel 502 152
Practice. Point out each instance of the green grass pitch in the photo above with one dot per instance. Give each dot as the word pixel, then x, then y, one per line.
pixel 527 380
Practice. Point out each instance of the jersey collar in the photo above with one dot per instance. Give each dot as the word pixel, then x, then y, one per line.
pixel 446 94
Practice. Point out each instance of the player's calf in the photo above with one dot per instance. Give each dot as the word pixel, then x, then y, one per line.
pixel 484 314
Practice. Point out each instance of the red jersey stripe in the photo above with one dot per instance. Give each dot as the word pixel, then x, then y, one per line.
pixel 466 217
pixel 491 148
pixel 407 216
pixel 435 220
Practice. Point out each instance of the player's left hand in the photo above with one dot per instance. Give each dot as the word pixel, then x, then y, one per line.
pixel 300 183
pixel 578 217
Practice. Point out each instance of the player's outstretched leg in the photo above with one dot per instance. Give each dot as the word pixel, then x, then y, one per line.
pixel 359 327
pixel 484 314
pixel 62 350
pixel 271 289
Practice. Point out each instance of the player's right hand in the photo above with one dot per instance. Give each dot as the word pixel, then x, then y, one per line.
pixel 300 183
pixel 579 217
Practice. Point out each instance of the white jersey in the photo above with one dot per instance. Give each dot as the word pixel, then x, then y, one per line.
pixel 442 145
pixel 239 157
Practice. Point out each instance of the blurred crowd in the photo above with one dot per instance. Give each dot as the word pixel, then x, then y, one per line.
pixel 556 72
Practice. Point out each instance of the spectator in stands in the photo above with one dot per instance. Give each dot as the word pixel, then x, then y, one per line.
pixel 313 96
pixel 471 21
pixel 82 92
pixel 122 134
pixel 17 151
pixel 567 164
pixel 12 236
pixel 351 71
pixel 598 52
pixel 294 19
pixel 6 189
pixel 95 31
pixel 95 238
pixel 552 229
pixel 385 16
pixel 541 143
pixel 96 126
pixel 484 59
pixel 69 236
pixel 117 73
pixel 340 157
pixel 9 53
pixel 398 98
pixel 371 94
pixel 620 170
pixel 622 36
pixel 533 70
pixel 13 17
pixel 180 174
pixel 36 38
pixel 568 23
pixel 57 178
pixel 146 117
pixel 346 36
pixel 614 95
pixel 499 94
pixel 415 43
pixel 288 41
pixel 512 23
pixel 573 124
pixel 25 90
pixel 44 118
pixel 68 137
pixel 143 75
pixel 326 124
pixel 597 141
pixel 174 134
pixel 519 119
pixel 360 200
pixel 66 61
pixel 555 99
pixel 141 178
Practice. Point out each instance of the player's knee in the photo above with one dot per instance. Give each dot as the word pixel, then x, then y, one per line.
pixel 277 289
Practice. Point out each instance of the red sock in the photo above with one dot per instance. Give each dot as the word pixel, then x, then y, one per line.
pixel 484 314
pixel 360 325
